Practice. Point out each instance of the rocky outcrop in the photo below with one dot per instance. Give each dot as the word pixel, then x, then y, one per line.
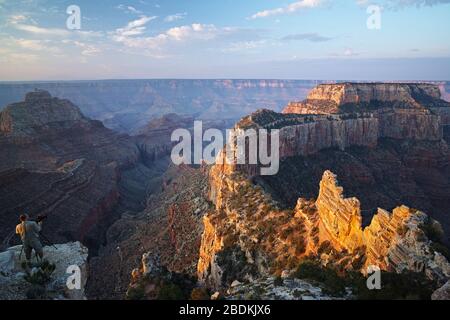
pixel 38 110
pixel 443 293
pixel 393 241
pixel 249 236
pixel 15 285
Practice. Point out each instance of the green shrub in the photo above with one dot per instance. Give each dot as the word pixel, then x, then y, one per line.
pixel 403 286
pixel 136 293
pixel 39 274
pixel 433 230
pixel 441 248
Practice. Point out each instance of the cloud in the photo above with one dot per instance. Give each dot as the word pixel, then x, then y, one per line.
pixel 175 17
pixel 37 45
pixel 416 3
pixel 313 37
pixel 162 45
pixel 348 52
pixel 86 49
pixel 19 22
pixel 291 8
pixel 128 9
pixel 133 28
pixel 245 46
pixel 400 4
pixel 41 31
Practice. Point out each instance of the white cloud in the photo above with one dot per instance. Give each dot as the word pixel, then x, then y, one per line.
pixel 22 23
pixel 128 9
pixel 133 28
pixel 417 3
pixel 86 49
pixel 37 45
pixel 291 8
pixel 159 44
pixel 245 46
pixel 17 18
pixel 41 31
pixel 175 17
pixel 398 4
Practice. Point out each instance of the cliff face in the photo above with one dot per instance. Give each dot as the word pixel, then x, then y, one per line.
pixel 244 240
pixel 338 98
pixel 393 241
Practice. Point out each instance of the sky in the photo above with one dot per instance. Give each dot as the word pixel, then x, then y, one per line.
pixel 270 39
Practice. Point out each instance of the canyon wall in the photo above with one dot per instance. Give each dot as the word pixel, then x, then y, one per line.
pixel 339 98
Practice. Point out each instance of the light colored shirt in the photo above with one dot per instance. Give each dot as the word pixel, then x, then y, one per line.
pixel 28 231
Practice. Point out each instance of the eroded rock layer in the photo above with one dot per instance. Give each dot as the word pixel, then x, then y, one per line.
pixel 248 235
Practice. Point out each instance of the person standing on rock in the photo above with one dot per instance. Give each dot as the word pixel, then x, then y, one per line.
pixel 29 233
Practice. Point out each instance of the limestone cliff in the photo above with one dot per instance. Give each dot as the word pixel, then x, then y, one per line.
pixel 307 134
pixel 248 235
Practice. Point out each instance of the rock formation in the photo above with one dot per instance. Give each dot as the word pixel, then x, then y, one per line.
pixel 249 236
pixel 14 285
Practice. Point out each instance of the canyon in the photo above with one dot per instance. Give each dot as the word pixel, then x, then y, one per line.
pixel 347 151
pixel 128 105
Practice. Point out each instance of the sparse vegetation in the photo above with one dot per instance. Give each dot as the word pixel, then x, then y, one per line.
pixel 434 232
pixel 38 275
pixel 394 286
pixel 312 270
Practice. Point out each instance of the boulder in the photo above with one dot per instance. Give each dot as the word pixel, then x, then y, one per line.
pixel 65 257
pixel 443 293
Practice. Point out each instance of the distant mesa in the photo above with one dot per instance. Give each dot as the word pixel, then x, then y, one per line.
pixel 39 109
pixel 37 96
pixel 358 97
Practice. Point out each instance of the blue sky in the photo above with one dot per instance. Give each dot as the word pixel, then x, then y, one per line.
pixel 306 39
